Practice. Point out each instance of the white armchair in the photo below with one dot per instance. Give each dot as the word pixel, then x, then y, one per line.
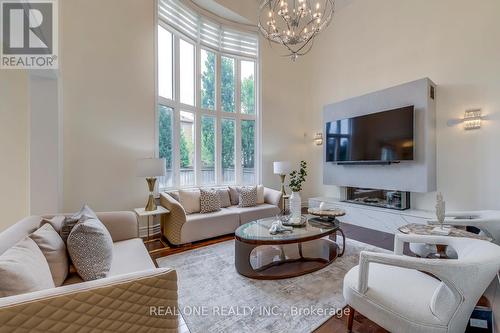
pixel 487 221
pixel 396 292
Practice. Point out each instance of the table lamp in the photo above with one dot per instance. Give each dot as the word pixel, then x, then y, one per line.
pixel 150 168
pixel 282 168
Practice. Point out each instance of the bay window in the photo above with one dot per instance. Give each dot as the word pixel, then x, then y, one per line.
pixel 207 116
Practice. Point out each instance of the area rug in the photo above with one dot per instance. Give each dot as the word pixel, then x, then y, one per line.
pixel 213 297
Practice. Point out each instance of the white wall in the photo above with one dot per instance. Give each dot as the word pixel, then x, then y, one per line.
pixel 373 45
pixel 45 144
pixel 108 101
pixel 14 146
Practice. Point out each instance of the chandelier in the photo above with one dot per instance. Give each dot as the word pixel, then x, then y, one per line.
pixel 294 23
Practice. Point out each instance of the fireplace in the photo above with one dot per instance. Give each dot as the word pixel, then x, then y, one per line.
pixel 379 198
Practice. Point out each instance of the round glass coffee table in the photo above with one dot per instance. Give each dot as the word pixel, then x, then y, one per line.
pixel 260 255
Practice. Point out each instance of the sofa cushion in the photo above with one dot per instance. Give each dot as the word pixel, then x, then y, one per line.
pixel 130 256
pixel 174 194
pixel 23 269
pixel 203 226
pixel 209 201
pixel 90 247
pixel 260 194
pixel 248 214
pixel 382 302
pixel 248 196
pixel 234 194
pixel 54 250
pixel 225 199
pixel 190 200
pixel 69 222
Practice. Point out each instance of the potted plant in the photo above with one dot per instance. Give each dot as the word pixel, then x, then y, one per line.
pixel 297 178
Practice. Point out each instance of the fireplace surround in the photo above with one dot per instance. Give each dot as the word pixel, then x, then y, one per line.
pixel 391 199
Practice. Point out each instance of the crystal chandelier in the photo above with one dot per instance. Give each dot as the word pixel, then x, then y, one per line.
pixel 294 23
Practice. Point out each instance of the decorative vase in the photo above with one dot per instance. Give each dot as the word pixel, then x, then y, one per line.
pixel 295 205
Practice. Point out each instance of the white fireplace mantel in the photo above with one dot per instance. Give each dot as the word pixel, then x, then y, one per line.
pixel 381 219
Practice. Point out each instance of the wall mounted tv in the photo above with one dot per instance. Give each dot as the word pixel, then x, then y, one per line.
pixel 377 138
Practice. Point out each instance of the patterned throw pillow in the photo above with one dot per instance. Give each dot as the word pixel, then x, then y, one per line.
pixel 209 201
pixel 90 247
pixel 225 200
pixel 70 221
pixel 248 196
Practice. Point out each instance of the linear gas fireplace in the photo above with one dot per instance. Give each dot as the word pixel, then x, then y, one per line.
pixel 379 198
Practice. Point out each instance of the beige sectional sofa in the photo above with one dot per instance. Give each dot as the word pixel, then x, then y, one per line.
pixel 121 302
pixel 181 228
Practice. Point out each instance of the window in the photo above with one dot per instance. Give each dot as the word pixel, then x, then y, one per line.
pixel 207 100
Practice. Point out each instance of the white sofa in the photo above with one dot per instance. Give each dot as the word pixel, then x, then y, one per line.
pixel 181 228
pixel 120 302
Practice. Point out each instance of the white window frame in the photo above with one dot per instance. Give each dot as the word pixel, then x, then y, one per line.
pixel 237 116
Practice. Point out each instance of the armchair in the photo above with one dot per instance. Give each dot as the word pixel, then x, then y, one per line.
pixel 395 292
pixel 487 221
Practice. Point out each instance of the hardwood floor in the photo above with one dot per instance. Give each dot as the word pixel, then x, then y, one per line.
pixel 334 324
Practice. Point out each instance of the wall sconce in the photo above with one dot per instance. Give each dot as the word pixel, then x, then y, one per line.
pixel 472 119
pixel 318 139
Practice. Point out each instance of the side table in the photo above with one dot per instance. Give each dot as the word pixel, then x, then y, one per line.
pixel 160 210
pixel 427 229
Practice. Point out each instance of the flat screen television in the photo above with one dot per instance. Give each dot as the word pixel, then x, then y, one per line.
pixel 384 137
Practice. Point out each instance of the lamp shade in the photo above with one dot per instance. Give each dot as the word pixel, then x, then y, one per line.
pixel 282 167
pixel 150 167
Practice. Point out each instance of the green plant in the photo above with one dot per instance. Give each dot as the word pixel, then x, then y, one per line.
pixel 297 178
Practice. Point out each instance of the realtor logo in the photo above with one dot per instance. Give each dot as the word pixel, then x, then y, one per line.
pixel 29 34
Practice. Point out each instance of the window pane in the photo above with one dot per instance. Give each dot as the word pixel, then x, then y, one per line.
pixel 186 63
pixel 227 83
pixel 186 146
pixel 228 155
pixel 247 87
pixel 248 151
pixel 207 80
pixel 207 150
pixel 164 63
pixel 165 115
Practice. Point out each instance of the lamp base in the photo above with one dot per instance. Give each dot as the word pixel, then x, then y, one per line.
pixel 151 204
pixel 283 193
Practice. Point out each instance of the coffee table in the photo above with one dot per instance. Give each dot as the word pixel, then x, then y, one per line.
pixel 260 255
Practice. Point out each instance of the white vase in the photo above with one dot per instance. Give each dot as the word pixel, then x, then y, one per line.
pixel 295 205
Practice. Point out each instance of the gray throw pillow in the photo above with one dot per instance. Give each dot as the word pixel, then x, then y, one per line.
pixel 234 195
pixel 209 201
pixel 70 221
pixel 248 196
pixel 54 250
pixel 91 249
pixel 225 199
pixel 23 269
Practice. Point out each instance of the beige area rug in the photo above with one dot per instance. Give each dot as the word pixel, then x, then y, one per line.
pixel 213 297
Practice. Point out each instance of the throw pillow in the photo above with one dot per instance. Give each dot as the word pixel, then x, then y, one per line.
pixel 91 249
pixel 234 195
pixel 260 194
pixel 23 269
pixel 54 250
pixel 70 221
pixel 248 196
pixel 209 201
pixel 225 199
pixel 190 200
pixel 56 222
